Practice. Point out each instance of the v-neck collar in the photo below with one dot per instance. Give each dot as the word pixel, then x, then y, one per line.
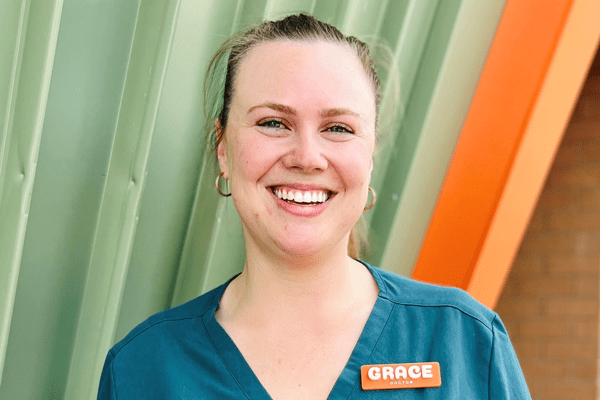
pixel 346 382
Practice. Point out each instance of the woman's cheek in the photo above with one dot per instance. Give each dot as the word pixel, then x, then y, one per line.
pixel 355 167
pixel 252 162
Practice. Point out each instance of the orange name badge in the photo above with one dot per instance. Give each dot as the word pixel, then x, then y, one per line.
pixel 400 376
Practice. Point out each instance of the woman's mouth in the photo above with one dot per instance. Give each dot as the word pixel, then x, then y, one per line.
pixel 302 197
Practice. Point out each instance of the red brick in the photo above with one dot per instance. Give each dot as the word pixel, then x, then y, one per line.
pixel 557 391
pixel 570 350
pixel 518 307
pixel 555 198
pixel 544 286
pixel 587 198
pixel 544 328
pixel 567 155
pixel 566 220
pixel 586 371
pixel 536 390
pixel 587 329
pixel 590 109
pixel 591 86
pixel 584 177
pixel 587 243
pixel 591 152
pixel 588 106
pixel 509 290
pixel 537 369
pixel 572 307
pixel 573 265
pixel 580 132
pixel 587 285
pixel 526 348
pixel 536 223
pixel 525 265
pixel 512 327
pixel 541 243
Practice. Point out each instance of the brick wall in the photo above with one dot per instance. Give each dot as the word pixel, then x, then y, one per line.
pixel 550 300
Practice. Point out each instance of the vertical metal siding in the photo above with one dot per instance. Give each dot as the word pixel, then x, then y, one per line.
pixel 29 32
pixel 105 98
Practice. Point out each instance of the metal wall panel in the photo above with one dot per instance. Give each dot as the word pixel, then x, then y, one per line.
pixel 29 30
pixel 105 98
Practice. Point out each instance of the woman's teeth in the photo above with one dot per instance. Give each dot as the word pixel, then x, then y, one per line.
pixel 297 196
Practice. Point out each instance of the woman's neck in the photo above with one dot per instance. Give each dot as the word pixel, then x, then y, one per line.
pixel 297 288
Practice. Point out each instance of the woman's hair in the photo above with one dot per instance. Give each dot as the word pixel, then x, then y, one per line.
pixel 220 77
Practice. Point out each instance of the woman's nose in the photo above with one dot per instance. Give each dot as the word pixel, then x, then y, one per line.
pixel 306 153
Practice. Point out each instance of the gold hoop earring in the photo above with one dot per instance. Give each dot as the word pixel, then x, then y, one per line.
pixel 373 199
pixel 217 185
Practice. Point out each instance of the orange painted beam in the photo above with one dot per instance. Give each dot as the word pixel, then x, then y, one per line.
pixel 513 74
pixel 510 91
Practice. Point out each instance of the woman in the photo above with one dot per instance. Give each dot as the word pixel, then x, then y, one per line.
pixel 295 137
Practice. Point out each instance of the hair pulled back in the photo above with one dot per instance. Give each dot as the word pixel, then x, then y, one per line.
pixel 220 77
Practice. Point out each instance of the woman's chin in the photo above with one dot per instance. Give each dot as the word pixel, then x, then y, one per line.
pixel 302 249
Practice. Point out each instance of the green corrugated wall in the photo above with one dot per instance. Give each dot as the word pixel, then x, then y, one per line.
pixel 108 212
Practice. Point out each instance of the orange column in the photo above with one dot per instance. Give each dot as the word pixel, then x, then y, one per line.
pixel 531 79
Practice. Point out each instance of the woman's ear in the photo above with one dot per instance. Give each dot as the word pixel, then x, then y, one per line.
pixel 222 149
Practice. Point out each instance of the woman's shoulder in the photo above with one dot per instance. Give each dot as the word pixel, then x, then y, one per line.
pixel 171 320
pixel 408 292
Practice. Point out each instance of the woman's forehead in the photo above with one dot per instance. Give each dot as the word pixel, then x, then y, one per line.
pixel 301 70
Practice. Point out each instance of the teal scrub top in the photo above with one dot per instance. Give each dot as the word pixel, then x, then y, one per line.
pixel 183 352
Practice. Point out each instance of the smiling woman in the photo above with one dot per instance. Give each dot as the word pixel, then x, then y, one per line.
pixel 301 120
pixel 294 134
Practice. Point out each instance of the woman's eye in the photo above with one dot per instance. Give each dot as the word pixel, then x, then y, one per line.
pixel 340 129
pixel 272 123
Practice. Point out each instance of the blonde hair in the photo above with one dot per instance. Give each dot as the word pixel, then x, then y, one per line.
pixel 220 77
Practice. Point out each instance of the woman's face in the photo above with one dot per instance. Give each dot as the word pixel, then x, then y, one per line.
pixel 298 146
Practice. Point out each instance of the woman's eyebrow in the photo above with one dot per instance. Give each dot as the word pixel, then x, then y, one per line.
pixel 274 106
pixel 333 112
pixel 330 112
